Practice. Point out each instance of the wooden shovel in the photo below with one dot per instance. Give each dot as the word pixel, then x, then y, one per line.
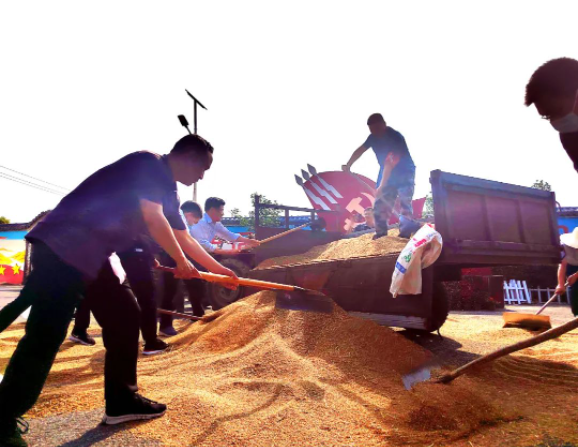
pixel 288 297
pixel 419 376
pixel 320 224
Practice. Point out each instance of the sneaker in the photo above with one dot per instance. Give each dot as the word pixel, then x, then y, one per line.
pixel 156 347
pixel 139 408
pixel 11 433
pixel 168 331
pixel 83 339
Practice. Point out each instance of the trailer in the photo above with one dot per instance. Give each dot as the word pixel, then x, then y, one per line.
pixel 483 223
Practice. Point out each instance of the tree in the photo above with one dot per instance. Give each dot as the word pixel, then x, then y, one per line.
pixel 428 208
pixel 4 220
pixel 268 217
pixel 541 184
pixel 236 213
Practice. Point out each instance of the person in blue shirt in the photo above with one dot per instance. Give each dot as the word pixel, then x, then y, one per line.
pixel 210 226
pixel 396 176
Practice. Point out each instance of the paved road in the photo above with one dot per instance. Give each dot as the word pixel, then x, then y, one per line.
pixel 9 293
pixel 82 429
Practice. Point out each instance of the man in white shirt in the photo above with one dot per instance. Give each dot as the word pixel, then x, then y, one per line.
pixel 210 226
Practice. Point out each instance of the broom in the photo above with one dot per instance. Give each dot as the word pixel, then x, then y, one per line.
pixel 533 322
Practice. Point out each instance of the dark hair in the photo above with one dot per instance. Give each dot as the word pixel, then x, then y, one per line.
pixel 375 118
pixel 214 202
pixel 192 207
pixel 558 77
pixel 192 144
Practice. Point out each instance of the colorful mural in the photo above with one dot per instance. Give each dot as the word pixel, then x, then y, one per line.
pixel 12 256
pixel 566 224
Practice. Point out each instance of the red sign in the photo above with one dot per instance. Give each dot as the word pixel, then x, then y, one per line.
pixel 349 194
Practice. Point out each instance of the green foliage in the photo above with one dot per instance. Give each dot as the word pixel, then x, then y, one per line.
pixel 4 220
pixel 541 184
pixel 428 208
pixel 267 217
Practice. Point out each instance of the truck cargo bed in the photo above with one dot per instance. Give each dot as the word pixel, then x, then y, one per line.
pixel 482 223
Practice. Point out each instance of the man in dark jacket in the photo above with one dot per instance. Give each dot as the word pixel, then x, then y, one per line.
pixel 132 198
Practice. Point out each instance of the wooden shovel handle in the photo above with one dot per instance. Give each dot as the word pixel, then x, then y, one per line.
pixel 546 305
pixel 285 233
pixel 178 314
pixel 224 279
pixel 533 341
pixel 556 295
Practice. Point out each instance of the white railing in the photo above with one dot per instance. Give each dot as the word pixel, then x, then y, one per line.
pixel 517 292
pixel 544 295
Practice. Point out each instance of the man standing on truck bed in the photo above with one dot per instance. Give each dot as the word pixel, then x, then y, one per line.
pixel 396 175
pixel 553 89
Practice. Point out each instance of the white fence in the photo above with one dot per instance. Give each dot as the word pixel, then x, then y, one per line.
pixel 517 292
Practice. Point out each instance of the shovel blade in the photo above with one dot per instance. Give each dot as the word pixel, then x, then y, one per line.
pixel 527 321
pixel 415 377
pixel 304 301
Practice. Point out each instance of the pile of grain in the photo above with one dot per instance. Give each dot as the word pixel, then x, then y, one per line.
pixel 260 376
pixel 362 246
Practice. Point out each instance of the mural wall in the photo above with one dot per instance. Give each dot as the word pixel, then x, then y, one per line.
pixel 566 224
pixel 12 255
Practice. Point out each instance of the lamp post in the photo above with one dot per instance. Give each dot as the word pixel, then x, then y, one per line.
pixel 185 124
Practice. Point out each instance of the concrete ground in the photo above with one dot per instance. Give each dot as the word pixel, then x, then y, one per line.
pixel 9 293
pixel 80 429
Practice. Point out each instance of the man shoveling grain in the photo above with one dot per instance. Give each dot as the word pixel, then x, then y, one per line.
pixel 396 176
pixel 133 197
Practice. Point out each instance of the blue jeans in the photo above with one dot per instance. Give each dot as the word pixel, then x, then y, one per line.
pixel 385 202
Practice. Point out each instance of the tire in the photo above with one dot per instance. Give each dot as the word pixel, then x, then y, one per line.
pixel 441 308
pixel 220 296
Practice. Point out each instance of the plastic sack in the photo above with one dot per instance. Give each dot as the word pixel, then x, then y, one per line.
pixel 420 252
pixel 117 268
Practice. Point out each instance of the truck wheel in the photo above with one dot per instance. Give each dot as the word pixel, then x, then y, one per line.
pixel 220 296
pixel 441 308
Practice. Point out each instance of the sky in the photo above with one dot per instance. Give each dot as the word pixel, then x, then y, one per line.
pixel 285 84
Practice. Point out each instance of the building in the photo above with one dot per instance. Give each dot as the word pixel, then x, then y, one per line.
pixel 567 219
pixel 14 251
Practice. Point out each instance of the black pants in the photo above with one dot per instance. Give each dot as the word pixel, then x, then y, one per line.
pixel 138 268
pixel 572 291
pixel 55 289
pixel 195 290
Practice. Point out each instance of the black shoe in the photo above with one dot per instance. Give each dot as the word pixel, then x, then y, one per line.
pixel 139 408
pixel 379 234
pixel 11 433
pixel 407 228
pixel 156 347
pixel 83 339
pixel 168 331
